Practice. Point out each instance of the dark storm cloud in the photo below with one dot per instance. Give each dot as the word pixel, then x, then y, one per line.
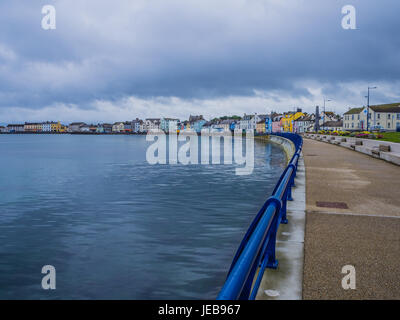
pixel 108 50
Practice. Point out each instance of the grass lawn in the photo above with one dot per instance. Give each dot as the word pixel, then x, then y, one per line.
pixel 390 136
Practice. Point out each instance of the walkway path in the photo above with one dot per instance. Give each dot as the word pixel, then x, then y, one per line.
pixel 356 222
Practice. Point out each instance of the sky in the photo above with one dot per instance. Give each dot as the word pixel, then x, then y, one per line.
pixel 122 59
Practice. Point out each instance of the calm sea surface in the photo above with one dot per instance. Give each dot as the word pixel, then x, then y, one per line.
pixel 115 227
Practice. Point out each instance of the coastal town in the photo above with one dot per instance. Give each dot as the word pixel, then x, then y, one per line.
pixel 385 117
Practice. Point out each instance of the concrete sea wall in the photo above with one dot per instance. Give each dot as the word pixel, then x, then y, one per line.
pixel 286 144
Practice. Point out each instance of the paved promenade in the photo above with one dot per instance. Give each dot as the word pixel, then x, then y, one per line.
pixel 353 218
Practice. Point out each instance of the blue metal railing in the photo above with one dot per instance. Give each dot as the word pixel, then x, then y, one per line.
pixel 257 249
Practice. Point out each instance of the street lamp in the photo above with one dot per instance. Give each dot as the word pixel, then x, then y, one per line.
pixel 325 101
pixel 369 88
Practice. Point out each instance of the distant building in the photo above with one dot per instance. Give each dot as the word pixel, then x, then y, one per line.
pixel 327 116
pixel 136 125
pixel 224 125
pixel 128 127
pixel 288 120
pixel 261 127
pixel 46 127
pixel 93 128
pixel 249 122
pixel 15 128
pixel 151 124
pixel 333 125
pixel 118 127
pixel 85 128
pixel 196 122
pixel 304 124
pixel 169 123
pixel 75 126
pixel 33 127
pixel 3 129
pixel 277 123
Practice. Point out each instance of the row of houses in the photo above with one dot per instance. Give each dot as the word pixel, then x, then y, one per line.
pixel 48 127
pixel 378 117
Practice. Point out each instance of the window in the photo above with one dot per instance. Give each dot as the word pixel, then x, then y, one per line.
pixel 398 116
pixel 352 124
pixel 388 124
pixel 379 116
pixel 352 117
pixel 388 115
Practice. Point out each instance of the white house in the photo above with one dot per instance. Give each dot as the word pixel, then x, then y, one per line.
pixel 381 117
pixel 118 127
pixel 249 122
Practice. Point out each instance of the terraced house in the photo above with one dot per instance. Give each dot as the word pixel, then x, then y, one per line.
pixel 288 120
pixel 380 117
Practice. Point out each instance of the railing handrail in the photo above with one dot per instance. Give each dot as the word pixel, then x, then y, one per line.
pixel 257 249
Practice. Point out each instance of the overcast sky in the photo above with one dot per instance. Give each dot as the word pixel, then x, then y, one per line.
pixel 122 59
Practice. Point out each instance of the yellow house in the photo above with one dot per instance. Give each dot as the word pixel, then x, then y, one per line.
pixel 260 127
pixel 288 120
pixel 56 126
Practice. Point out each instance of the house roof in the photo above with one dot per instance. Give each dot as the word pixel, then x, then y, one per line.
pixel 15 125
pixel 195 118
pixel 391 107
pixel 333 124
pixel 354 111
pixel 305 118
pixel 228 121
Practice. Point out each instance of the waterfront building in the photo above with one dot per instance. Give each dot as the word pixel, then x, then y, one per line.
pixel 32 127
pixel 167 123
pixel 196 123
pixel 100 128
pixel 118 127
pixel 107 127
pixel 46 127
pixel 93 128
pixel 85 128
pixel 381 117
pixel 151 124
pixel 127 127
pixel 136 125
pixel 75 126
pixel 261 127
pixel 3 129
pixel 224 125
pixel 288 120
pixel 56 126
pixel 333 125
pixel 15 128
pixel 305 123
pixel 249 122
pixel 277 123
pixel 327 116
pixel 262 123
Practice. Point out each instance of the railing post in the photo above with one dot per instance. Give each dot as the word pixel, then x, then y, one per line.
pixel 283 218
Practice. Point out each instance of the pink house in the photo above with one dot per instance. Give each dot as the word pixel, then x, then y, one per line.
pixel 276 126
